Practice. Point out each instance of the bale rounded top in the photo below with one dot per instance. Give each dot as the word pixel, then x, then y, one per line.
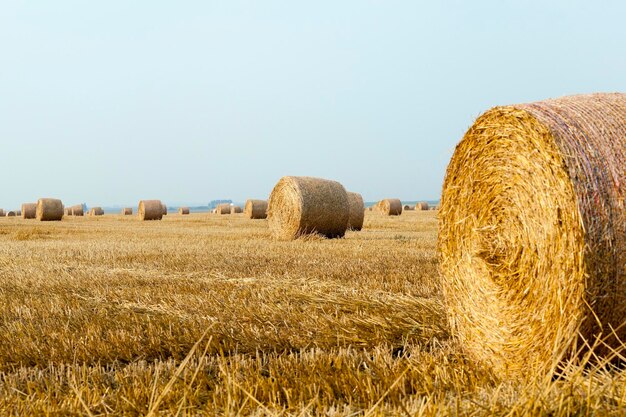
pixel 150 210
pixel 49 209
pixel 255 209
pixel 305 205
pixel 357 211
pixel 390 206
pixel 532 232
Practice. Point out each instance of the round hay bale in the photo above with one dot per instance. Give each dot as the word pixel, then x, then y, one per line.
pixel 183 210
pixel 49 209
pixel 407 207
pixel 96 211
pixel 223 208
pixel 164 207
pixel 532 233
pixel 255 209
pixel 2 213
pixel 11 213
pixel 422 205
pixel 235 210
pixel 357 211
pixel 29 210
pixel 127 211
pixel 390 207
pixel 150 210
pixel 304 205
pixel 68 211
pixel 77 210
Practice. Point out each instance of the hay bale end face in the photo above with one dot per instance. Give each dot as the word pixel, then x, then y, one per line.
pixel 300 206
pixel 183 210
pixel 422 205
pixel 150 210
pixel 235 210
pixel 49 209
pixel 390 207
pixel 29 210
pixel 532 233
pixel 357 211
pixel 96 211
pixel 223 208
pixel 127 211
pixel 255 209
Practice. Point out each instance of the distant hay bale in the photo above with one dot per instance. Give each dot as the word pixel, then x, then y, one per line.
pixel 235 210
pixel 422 205
pixel 150 210
pixel 68 211
pixel 18 213
pixel 183 210
pixel 390 207
pixel 164 207
pixel 29 210
pixel 409 208
pixel 2 213
pixel 223 208
pixel 77 210
pixel 532 233
pixel 96 211
pixel 11 213
pixel 255 209
pixel 127 211
pixel 304 205
pixel 49 209
pixel 357 211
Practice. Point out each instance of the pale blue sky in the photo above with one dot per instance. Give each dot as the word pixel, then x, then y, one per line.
pixel 111 102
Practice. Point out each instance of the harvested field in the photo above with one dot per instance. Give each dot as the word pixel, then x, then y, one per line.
pixel 210 315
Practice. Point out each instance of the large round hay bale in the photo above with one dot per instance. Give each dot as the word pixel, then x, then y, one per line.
pixel 150 210
pixel 183 210
pixel 77 210
pixel 223 208
pixel 96 211
pixel 235 210
pixel 29 210
pixel 304 205
pixel 390 207
pixel 532 233
pixel 422 205
pixel 49 209
pixel 357 211
pixel 164 207
pixel 127 211
pixel 11 213
pixel 255 209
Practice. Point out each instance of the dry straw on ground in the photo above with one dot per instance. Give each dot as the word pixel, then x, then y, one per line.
pixel 533 232
pixel 127 211
pixel 255 209
pixel 223 208
pixel 390 207
pixel 183 210
pixel 422 205
pixel 96 211
pixel 29 210
pixel 304 205
pixel 150 210
pixel 235 210
pixel 49 209
pixel 357 211
pixel 77 210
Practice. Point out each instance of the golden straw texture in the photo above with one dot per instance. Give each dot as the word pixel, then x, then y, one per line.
pixel 29 210
pixel 49 209
pixel 256 209
pixel 304 205
pixel 357 211
pixel 532 232
pixel 183 210
pixel 150 210
pixel 390 207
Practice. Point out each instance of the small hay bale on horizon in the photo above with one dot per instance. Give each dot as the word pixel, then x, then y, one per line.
pixel 96 211
pixel 150 210
pixel 235 210
pixel 223 208
pixel 300 206
pixel 357 211
pixel 390 207
pixel 422 205
pixel 127 211
pixel 408 207
pixel 77 210
pixel 11 213
pixel 183 211
pixel 532 230
pixel 256 209
pixel 29 210
pixel 49 209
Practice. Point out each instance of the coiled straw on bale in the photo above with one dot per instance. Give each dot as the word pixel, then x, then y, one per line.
pixel 49 209
pixel 29 210
pixel 223 208
pixel 183 210
pixel 235 209
pixel 357 211
pixel 422 205
pixel 304 205
pixel 390 207
pixel 96 211
pixel 255 209
pixel 150 210
pixel 532 234
pixel 127 211
pixel 77 210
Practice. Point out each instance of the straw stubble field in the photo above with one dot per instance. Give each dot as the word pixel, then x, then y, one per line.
pixel 206 314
